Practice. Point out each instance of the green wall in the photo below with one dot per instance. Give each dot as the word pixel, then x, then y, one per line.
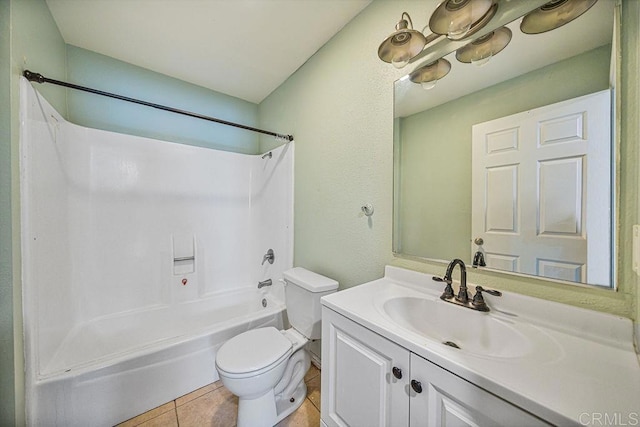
pixel 435 177
pixel 340 108
pixel 34 43
pixel 630 140
pixel 87 68
pixel 30 39
pixel 7 403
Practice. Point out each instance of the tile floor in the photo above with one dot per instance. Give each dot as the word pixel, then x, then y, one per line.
pixel 214 405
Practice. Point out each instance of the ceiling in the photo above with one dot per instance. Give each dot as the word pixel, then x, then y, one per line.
pixel 242 48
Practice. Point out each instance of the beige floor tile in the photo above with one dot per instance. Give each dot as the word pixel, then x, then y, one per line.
pixel 313 391
pixel 168 419
pixel 306 415
pixel 199 392
pixel 171 406
pixel 217 408
pixel 311 373
pixel 213 405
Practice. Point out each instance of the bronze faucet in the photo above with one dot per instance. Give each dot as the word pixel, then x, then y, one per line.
pixel 477 303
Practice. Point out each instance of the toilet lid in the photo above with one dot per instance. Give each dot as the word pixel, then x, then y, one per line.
pixel 253 351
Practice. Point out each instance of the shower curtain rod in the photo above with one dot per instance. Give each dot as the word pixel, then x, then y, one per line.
pixel 39 78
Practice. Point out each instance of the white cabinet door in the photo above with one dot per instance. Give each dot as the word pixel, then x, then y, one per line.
pixel 359 388
pixel 448 400
pixel 534 177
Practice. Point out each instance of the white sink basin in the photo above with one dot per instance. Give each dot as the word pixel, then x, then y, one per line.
pixel 470 331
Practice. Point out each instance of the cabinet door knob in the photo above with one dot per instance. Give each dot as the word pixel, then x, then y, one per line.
pixel 416 386
pixel 397 372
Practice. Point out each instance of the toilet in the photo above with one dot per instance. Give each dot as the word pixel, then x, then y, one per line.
pixel 265 367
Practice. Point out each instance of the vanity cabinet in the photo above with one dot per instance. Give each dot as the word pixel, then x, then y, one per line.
pixel 368 380
pixel 364 376
pixel 448 400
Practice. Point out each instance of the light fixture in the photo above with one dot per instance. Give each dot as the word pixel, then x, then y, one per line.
pixel 428 75
pixel 481 50
pixel 554 14
pixel 403 44
pixel 458 19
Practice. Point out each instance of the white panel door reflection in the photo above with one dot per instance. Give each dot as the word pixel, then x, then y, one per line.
pixel 532 175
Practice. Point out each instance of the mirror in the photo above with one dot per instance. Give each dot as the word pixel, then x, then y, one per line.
pixel 440 197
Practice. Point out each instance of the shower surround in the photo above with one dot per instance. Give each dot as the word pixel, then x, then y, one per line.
pixel 140 258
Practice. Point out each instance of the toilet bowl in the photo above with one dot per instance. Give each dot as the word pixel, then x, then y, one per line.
pixel 265 367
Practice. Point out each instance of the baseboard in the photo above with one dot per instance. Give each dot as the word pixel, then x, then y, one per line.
pixel 315 360
pixel 315 348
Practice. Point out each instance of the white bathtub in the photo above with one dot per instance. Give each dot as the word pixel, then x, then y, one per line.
pixel 111 369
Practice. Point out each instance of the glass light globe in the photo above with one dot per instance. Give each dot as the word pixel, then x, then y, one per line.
pixel 400 60
pixel 460 24
pixel 480 60
pixel 428 85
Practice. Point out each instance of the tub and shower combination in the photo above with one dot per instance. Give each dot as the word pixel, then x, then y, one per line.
pixel 140 258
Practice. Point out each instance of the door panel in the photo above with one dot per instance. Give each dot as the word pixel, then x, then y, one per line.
pixel 502 199
pixel 532 172
pixel 503 262
pixel 358 386
pixel 561 197
pixel 561 270
pixel 562 129
pixel 448 400
pixel 504 140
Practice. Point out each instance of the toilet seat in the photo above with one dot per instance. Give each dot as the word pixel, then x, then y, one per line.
pixel 253 352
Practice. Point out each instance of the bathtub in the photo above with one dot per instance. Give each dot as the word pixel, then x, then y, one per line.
pixel 111 369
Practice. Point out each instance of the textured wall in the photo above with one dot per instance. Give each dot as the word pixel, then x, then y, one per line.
pixel 87 68
pixel 631 86
pixel 339 106
pixel 36 44
pixel 7 403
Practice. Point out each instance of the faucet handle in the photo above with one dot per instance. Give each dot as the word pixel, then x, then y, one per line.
pixel 489 291
pixel 478 300
pixel 269 256
pixel 448 290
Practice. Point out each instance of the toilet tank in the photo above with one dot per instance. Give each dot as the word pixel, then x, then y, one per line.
pixel 303 290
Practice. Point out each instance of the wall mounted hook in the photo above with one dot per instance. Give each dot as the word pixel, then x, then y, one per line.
pixel 368 209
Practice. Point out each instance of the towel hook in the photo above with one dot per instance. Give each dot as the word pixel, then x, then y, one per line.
pixel 368 209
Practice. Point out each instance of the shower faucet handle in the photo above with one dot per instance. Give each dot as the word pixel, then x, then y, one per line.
pixel 269 256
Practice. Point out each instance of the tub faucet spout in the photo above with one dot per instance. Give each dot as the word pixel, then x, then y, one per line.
pixel 264 283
